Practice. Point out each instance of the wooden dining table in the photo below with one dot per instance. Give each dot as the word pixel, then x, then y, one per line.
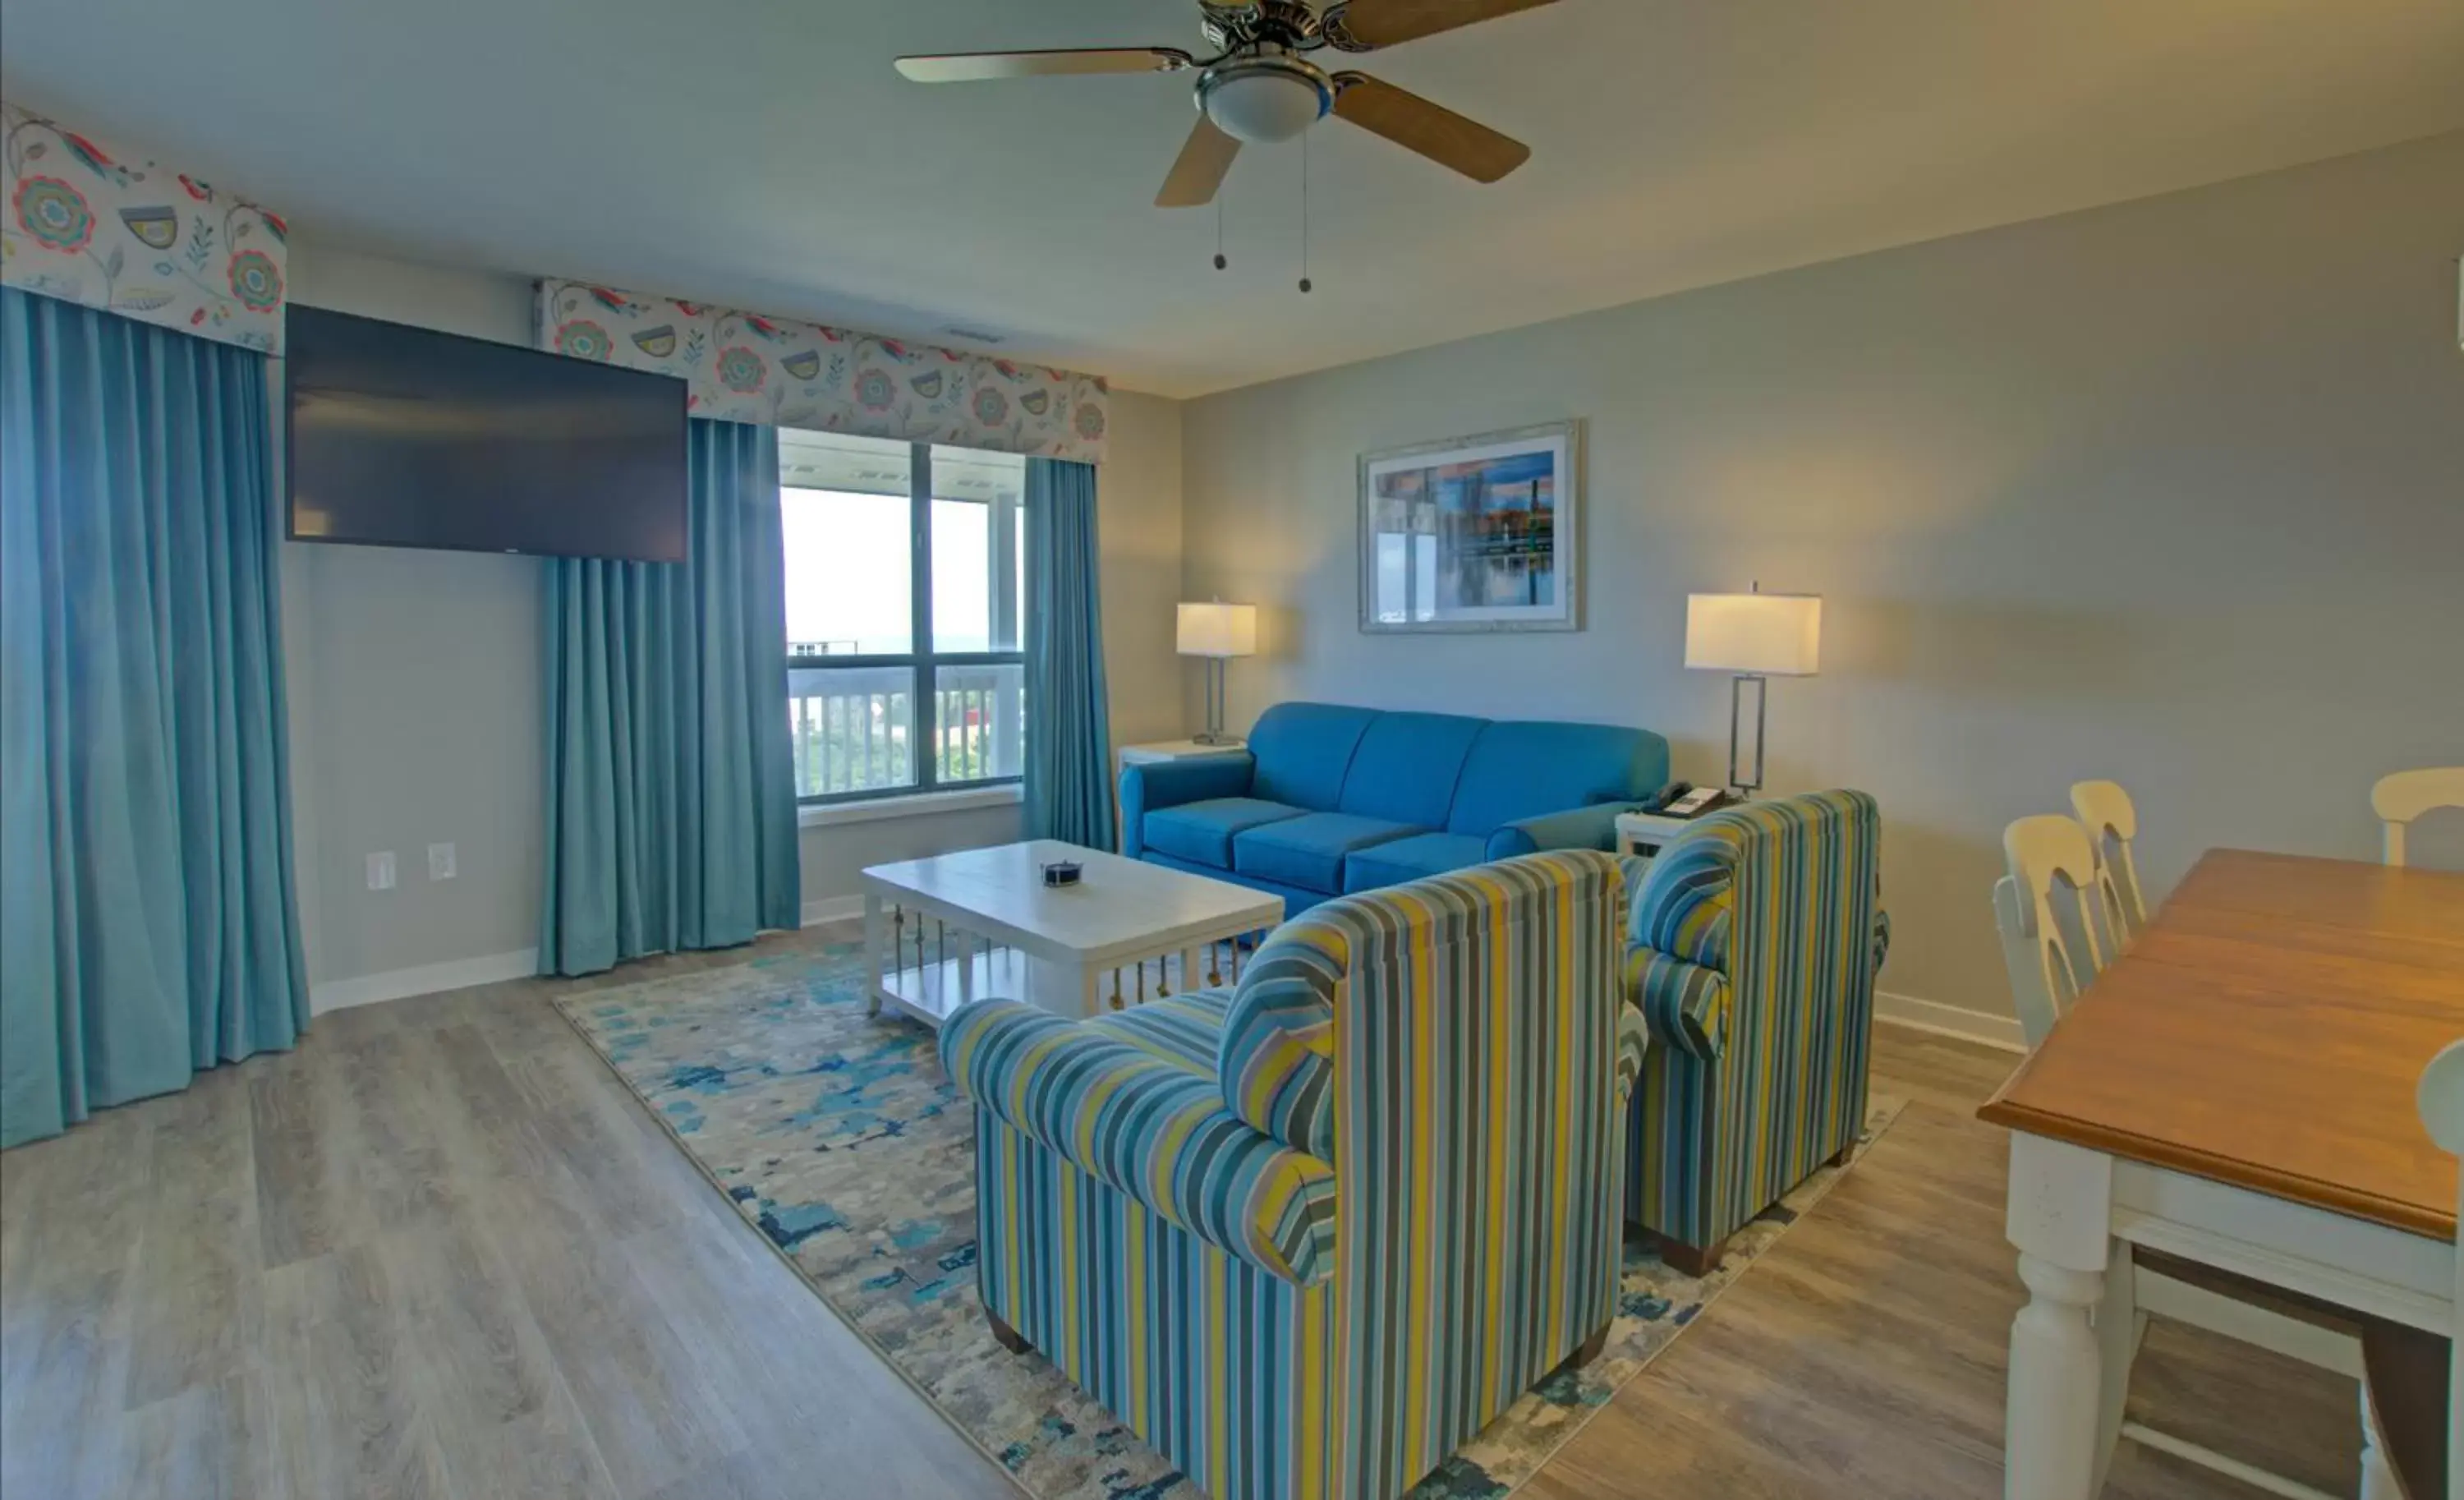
pixel 2237 1090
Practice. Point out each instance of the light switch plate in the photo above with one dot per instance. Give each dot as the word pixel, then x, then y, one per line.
pixel 440 862
pixel 381 870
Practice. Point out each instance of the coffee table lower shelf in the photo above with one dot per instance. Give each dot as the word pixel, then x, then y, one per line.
pixel 930 991
pixel 975 924
pixel 929 987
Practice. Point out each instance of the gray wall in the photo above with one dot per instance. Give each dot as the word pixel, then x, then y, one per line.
pixel 2170 492
pixel 414 682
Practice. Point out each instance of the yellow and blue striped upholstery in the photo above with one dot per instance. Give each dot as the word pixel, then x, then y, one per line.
pixel 1476 1057
pixel 1185 1029
pixel 1685 1005
pixel 1755 937
pixel 1687 907
pixel 1277 1061
pixel 1151 1128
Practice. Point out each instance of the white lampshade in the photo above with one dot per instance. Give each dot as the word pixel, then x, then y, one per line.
pixel 1219 630
pixel 1780 635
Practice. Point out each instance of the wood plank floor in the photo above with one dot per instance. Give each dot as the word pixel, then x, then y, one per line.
pixel 439 1251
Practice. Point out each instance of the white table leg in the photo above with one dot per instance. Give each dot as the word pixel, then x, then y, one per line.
pixel 966 967
pixel 2378 1480
pixel 873 953
pixel 2455 1390
pixel 2119 1326
pixel 2060 1212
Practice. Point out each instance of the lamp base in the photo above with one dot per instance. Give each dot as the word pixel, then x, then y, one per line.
pixel 1211 737
pixel 1213 734
pixel 1737 782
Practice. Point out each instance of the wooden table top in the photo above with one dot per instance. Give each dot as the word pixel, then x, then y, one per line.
pixel 2268 1030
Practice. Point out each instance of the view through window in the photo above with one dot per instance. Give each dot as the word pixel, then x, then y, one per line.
pixel 906 578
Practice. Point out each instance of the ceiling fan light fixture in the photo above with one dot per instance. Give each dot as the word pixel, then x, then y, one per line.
pixel 1264 100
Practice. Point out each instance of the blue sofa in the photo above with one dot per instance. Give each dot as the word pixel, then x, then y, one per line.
pixel 1331 799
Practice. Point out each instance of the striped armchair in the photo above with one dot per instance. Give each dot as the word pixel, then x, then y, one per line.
pixel 1307 1235
pixel 1753 944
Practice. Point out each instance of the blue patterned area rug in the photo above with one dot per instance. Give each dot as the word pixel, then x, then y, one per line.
pixel 837 1136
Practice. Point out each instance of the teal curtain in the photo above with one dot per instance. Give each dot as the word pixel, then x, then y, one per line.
pixel 1068 735
pixel 146 913
pixel 671 793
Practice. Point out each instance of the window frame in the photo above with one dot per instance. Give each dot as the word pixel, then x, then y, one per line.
pixel 924 661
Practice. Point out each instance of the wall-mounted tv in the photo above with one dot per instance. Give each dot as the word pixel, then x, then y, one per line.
pixel 406 437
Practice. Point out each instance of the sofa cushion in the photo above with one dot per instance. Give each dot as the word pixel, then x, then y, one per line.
pixel 1201 833
pixel 1301 751
pixel 1409 859
pixel 1308 850
pixel 1522 769
pixel 1405 768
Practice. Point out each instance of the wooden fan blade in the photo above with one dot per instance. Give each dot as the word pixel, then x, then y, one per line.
pixel 1197 172
pixel 973 67
pixel 1383 23
pixel 1432 130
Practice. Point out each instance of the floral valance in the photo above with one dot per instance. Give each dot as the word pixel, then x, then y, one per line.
pixel 88 222
pixel 774 371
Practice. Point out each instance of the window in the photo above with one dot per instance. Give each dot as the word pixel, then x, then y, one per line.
pixel 906 579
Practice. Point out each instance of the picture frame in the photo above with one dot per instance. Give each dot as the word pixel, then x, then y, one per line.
pixel 1480 534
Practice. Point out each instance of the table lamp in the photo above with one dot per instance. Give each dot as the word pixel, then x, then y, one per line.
pixel 1217 631
pixel 1757 637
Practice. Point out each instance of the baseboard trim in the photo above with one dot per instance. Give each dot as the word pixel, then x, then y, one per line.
pixel 427 978
pixel 833 908
pixel 2002 1033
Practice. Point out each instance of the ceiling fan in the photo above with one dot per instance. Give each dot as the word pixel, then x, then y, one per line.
pixel 1259 86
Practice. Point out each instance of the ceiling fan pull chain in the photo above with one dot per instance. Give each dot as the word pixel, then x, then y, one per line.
pixel 1219 231
pixel 1304 176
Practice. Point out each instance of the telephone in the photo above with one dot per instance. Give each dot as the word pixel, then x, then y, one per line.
pixel 1680 799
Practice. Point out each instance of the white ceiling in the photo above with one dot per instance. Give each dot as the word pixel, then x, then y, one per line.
pixel 763 152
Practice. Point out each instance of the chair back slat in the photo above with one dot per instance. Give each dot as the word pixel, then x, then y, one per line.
pixel 2112 823
pixel 2037 1007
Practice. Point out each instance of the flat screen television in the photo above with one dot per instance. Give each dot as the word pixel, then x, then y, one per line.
pixel 407 437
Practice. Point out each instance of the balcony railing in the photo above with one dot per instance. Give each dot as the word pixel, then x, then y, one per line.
pixel 853 728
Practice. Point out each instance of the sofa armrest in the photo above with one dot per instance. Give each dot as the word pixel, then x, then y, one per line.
pixel 1576 828
pixel 1684 1004
pixel 1168 783
pixel 1685 903
pixel 1634 1041
pixel 1149 1127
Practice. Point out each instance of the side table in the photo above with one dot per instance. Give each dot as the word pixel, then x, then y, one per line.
pixel 1643 834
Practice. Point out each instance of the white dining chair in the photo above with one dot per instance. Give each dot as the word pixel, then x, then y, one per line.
pixel 2052 939
pixel 2401 796
pixel 2054 945
pixel 2112 823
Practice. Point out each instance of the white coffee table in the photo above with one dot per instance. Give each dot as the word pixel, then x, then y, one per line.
pixel 1000 930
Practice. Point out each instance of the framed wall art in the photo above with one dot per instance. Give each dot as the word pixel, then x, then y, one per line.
pixel 1473 533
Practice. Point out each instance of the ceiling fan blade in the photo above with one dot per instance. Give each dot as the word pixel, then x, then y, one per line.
pixel 1434 131
pixel 1197 172
pixel 972 67
pixel 1383 23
